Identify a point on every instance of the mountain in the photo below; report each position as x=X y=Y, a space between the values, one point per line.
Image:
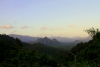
x=69 y=40
x=47 y=41
x=24 y=38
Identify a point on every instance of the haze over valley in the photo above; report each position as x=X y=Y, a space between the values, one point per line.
x=63 y=40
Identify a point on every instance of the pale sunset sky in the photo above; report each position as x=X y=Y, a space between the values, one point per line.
x=65 y=18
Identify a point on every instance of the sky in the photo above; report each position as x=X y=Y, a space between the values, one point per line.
x=64 y=18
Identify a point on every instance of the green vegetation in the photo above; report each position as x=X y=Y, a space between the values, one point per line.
x=88 y=54
x=14 y=53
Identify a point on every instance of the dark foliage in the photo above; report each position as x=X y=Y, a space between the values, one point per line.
x=89 y=52
x=14 y=53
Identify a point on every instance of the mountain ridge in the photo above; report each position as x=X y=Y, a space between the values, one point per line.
x=25 y=38
x=47 y=41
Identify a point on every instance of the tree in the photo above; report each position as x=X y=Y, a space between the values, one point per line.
x=93 y=32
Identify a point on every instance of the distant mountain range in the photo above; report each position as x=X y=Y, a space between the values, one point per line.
x=64 y=40
x=47 y=41
x=24 y=38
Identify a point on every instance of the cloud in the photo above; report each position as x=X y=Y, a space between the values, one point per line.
x=51 y=29
x=71 y=25
x=6 y=27
x=43 y=28
x=24 y=27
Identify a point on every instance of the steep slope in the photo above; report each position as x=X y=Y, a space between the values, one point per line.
x=8 y=45
x=89 y=51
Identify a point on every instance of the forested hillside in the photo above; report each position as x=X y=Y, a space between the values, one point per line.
x=14 y=53
x=88 y=54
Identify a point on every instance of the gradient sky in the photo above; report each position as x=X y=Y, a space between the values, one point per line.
x=49 y=17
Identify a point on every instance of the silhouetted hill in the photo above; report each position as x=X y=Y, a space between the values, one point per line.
x=7 y=38
x=14 y=53
x=7 y=45
x=89 y=51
